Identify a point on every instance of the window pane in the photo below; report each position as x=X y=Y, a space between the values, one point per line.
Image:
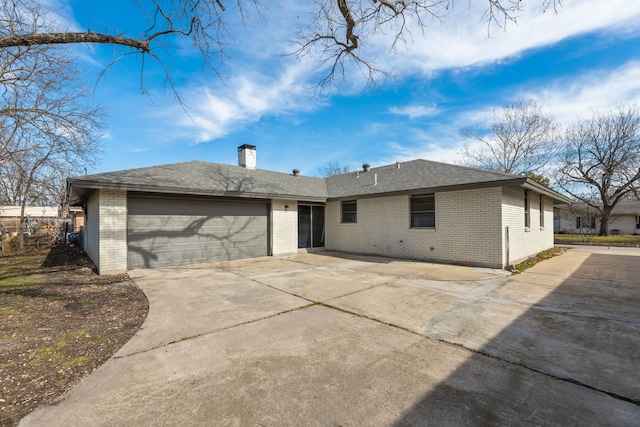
x=423 y=204
x=423 y=220
x=349 y=211
x=423 y=211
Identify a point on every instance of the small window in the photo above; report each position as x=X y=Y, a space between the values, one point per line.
x=349 y=212
x=638 y=221
x=527 y=214
x=541 y=211
x=582 y=222
x=423 y=211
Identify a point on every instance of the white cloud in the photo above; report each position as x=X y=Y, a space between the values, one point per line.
x=415 y=111
x=583 y=95
x=437 y=151
x=573 y=98
x=139 y=149
x=568 y=99
x=217 y=110
x=462 y=39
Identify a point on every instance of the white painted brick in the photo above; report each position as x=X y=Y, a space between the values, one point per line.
x=467 y=228
x=525 y=242
x=284 y=226
x=106 y=231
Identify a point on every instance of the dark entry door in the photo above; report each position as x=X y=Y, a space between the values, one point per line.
x=310 y=226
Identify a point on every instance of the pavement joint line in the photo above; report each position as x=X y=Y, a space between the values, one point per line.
x=254 y=279
x=585 y=315
x=248 y=322
x=288 y=272
x=443 y=341
x=360 y=290
x=602 y=280
x=481 y=352
x=520 y=365
x=269 y=286
x=396 y=277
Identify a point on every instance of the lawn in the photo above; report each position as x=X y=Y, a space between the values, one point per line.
x=60 y=321
x=628 y=240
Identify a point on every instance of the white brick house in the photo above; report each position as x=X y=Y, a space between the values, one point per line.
x=194 y=212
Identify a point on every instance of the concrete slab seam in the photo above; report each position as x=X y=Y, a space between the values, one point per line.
x=248 y=322
x=569 y=380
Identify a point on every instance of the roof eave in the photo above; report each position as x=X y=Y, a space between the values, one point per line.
x=439 y=189
x=79 y=189
x=530 y=184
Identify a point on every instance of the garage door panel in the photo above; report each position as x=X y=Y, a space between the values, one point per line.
x=161 y=234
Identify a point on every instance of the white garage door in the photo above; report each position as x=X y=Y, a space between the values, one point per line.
x=168 y=231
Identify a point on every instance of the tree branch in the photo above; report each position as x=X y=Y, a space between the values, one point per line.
x=69 y=38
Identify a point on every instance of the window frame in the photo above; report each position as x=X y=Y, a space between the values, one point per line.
x=541 y=211
x=637 y=221
x=348 y=220
x=427 y=215
x=581 y=222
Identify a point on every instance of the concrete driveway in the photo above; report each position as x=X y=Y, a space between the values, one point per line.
x=337 y=340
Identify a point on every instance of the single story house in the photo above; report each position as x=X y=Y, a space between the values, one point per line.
x=579 y=218
x=197 y=212
x=32 y=211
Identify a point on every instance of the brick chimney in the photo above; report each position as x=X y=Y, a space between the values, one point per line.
x=247 y=156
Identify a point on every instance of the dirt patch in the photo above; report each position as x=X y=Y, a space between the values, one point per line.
x=60 y=321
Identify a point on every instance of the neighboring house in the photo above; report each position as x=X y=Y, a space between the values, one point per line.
x=10 y=216
x=34 y=211
x=76 y=213
x=196 y=212
x=579 y=218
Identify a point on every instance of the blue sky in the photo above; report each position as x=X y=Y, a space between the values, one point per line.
x=583 y=59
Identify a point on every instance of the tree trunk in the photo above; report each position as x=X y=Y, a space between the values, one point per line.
x=604 y=221
x=22 y=225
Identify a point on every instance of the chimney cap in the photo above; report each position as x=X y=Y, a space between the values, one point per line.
x=366 y=167
x=296 y=172
x=246 y=147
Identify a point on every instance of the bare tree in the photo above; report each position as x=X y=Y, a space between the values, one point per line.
x=46 y=117
x=338 y=31
x=521 y=138
x=333 y=168
x=600 y=165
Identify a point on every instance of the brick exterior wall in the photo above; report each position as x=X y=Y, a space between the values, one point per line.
x=284 y=227
x=468 y=228
x=106 y=231
x=525 y=242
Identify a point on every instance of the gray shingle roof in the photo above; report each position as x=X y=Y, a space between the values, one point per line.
x=202 y=178
x=415 y=175
x=622 y=208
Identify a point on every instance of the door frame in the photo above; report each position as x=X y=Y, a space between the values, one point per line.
x=311 y=223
